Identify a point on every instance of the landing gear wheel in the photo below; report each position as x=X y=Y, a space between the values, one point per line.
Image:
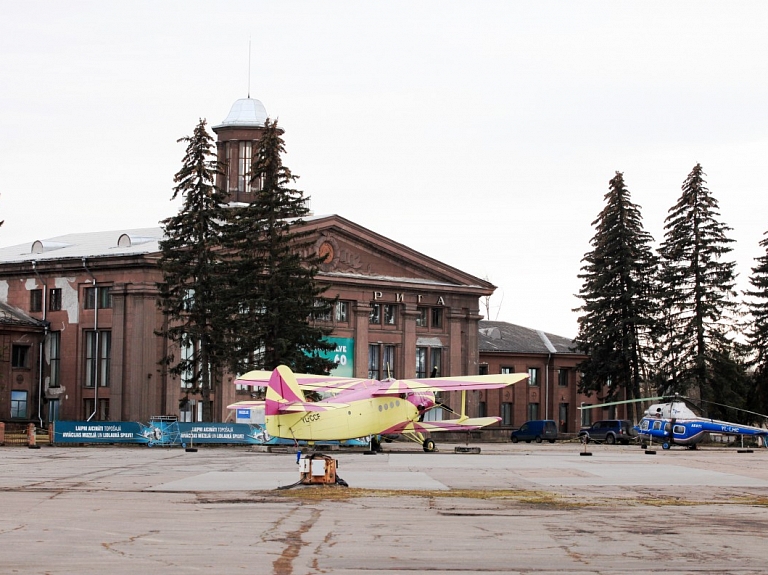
x=538 y=439
x=665 y=445
x=429 y=445
x=610 y=439
x=375 y=444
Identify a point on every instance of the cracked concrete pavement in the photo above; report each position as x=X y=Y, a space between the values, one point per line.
x=511 y=509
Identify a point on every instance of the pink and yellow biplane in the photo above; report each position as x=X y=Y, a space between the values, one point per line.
x=363 y=407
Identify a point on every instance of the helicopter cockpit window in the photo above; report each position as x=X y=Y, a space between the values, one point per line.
x=679 y=430
x=657 y=425
x=645 y=425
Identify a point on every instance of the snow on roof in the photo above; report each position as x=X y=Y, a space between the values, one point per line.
x=88 y=244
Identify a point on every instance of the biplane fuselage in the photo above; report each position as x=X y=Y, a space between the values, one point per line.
x=363 y=415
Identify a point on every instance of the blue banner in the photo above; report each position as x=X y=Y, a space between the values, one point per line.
x=167 y=432
x=100 y=432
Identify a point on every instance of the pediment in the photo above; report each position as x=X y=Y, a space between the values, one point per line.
x=352 y=251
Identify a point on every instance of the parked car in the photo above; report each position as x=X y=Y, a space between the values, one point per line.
x=536 y=430
x=609 y=431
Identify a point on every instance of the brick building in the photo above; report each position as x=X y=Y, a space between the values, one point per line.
x=91 y=299
x=551 y=391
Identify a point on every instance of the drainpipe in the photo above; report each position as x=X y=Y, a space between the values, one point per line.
x=552 y=350
x=546 y=388
x=96 y=341
x=41 y=346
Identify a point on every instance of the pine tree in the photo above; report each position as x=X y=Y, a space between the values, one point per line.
x=272 y=293
x=757 y=330
x=617 y=316
x=698 y=289
x=192 y=271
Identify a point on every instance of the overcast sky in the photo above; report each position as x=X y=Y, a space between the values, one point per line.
x=482 y=134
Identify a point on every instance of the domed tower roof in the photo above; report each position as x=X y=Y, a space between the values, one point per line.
x=246 y=113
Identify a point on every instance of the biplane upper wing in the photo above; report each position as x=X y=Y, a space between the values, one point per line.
x=306 y=381
x=458 y=383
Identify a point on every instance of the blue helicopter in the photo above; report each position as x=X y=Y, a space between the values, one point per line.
x=674 y=422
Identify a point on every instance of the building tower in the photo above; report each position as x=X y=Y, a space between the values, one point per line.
x=237 y=135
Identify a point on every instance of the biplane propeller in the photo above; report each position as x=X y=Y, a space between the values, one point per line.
x=677 y=420
x=364 y=407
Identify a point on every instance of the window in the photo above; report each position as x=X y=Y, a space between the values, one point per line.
x=53 y=410
x=562 y=377
x=54 y=357
x=187 y=410
x=20 y=356
x=342 y=311
x=102 y=414
x=374 y=361
x=19 y=404
x=381 y=361
x=228 y=167
x=188 y=301
x=103 y=294
x=36 y=300
x=482 y=409
x=187 y=355
x=506 y=413
x=244 y=167
x=437 y=317
x=97 y=353
x=563 y=414
x=421 y=317
x=437 y=361
x=533 y=411
x=507 y=369
x=533 y=376
x=389 y=314
x=421 y=361
x=323 y=310
x=54 y=299
x=586 y=416
x=482 y=369
x=429 y=362
x=375 y=316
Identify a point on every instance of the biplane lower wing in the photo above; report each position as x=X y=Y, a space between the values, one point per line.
x=466 y=424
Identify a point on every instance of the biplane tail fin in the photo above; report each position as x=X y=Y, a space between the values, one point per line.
x=283 y=390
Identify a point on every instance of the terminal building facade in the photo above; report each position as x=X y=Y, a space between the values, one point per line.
x=79 y=316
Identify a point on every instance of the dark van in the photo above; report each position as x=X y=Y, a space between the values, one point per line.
x=536 y=430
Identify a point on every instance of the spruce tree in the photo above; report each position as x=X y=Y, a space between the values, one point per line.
x=618 y=293
x=698 y=290
x=272 y=292
x=757 y=330
x=192 y=271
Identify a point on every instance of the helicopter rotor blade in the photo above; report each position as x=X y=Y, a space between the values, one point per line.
x=732 y=407
x=622 y=402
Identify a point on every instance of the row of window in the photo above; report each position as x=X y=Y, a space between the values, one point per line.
x=93 y=296
x=563 y=375
x=381 y=361
x=385 y=314
x=98 y=345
